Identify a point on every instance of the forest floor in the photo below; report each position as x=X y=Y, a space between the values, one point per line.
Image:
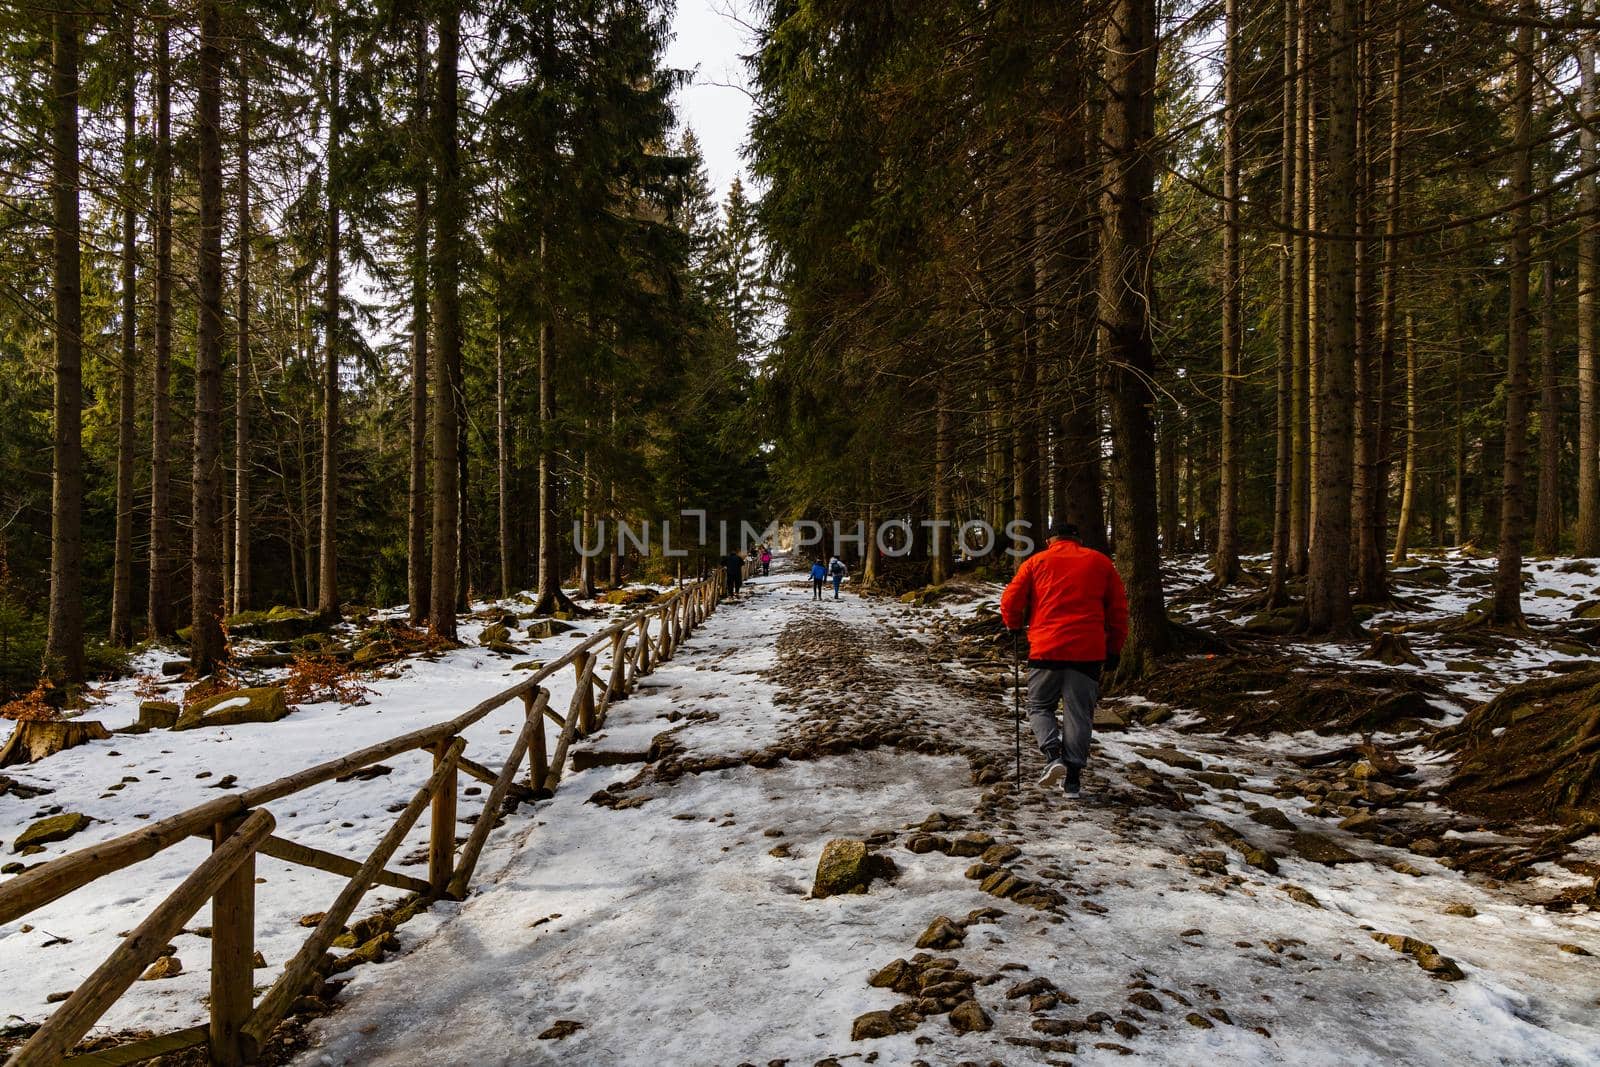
x=1218 y=896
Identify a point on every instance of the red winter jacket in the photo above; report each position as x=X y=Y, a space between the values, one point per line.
x=1072 y=602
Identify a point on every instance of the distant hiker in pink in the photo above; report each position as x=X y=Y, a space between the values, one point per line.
x=766 y=561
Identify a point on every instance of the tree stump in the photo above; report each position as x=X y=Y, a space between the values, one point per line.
x=1392 y=649
x=32 y=740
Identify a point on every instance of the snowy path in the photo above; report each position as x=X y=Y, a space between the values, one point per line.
x=670 y=920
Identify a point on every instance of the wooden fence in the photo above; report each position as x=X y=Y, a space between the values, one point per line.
x=240 y=827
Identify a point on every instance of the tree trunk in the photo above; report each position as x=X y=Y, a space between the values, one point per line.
x=328 y=535
x=206 y=638
x=1547 y=521
x=550 y=597
x=242 y=371
x=417 y=562
x=1328 y=577
x=1588 y=532
x=127 y=381
x=943 y=454
x=1508 y=574
x=502 y=441
x=1127 y=207
x=464 y=570
x=1408 y=493
x=1459 y=451
x=1372 y=585
x=449 y=219
x=1300 y=470
x=63 y=654
x=1079 y=444
x=160 y=609
x=1225 y=561
x=1288 y=321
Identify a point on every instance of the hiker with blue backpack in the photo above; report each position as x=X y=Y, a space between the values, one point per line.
x=836 y=571
x=819 y=575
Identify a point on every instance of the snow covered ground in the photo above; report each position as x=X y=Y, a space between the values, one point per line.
x=675 y=927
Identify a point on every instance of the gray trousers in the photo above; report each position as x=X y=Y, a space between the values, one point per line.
x=1046 y=691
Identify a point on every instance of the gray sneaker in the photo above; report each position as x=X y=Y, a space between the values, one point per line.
x=1073 y=784
x=1053 y=774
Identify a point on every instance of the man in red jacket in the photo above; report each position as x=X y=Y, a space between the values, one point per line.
x=1071 y=601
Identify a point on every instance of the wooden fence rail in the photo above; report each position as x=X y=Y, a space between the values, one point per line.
x=240 y=827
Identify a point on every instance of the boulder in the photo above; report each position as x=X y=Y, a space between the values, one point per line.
x=1320 y=849
x=874 y=1024
x=845 y=866
x=158 y=714
x=495 y=634
x=1273 y=817
x=260 y=704
x=943 y=933
x=548 y=628
x=275 y=624
x=54 y=828
x=969 y=1017
x=165 y=967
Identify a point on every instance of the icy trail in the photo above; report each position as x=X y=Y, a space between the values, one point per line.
x=671 y=923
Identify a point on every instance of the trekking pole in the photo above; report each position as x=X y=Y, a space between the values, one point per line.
x=1016 y=700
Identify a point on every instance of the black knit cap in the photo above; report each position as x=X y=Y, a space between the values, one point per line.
x=1061 y=528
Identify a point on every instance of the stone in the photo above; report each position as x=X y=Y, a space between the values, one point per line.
x=1273 y=817
x=1301 y=895
x=165 y=967
x=845 y=866
x=1108 y=718
x=1031 y=987
x=997 y=855
x=874 y=1024
x=1216 y=779
x=890 y=975
x=1465 y=911
x=968 y=1017
x=547 y=628
x=971 y=845
x=1441 y=967
x=1209 y=860
x=259 y=704
x=1321 y=849
x=158 y=714
x=1199 y=1021
x=1147 y=1000
x=495 y=634
x=51 y=829
x=280 y=623
x=943 y=933
x=561 y=1028
x=1575 y=950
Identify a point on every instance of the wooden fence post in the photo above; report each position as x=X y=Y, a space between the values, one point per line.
x=583 y=693
x=538 y=757
x=617 y=684
x=644 y=647
x=442 y=834
x=233 y=949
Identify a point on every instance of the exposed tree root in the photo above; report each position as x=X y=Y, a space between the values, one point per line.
x=1533 y=752
x=1262 y=692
